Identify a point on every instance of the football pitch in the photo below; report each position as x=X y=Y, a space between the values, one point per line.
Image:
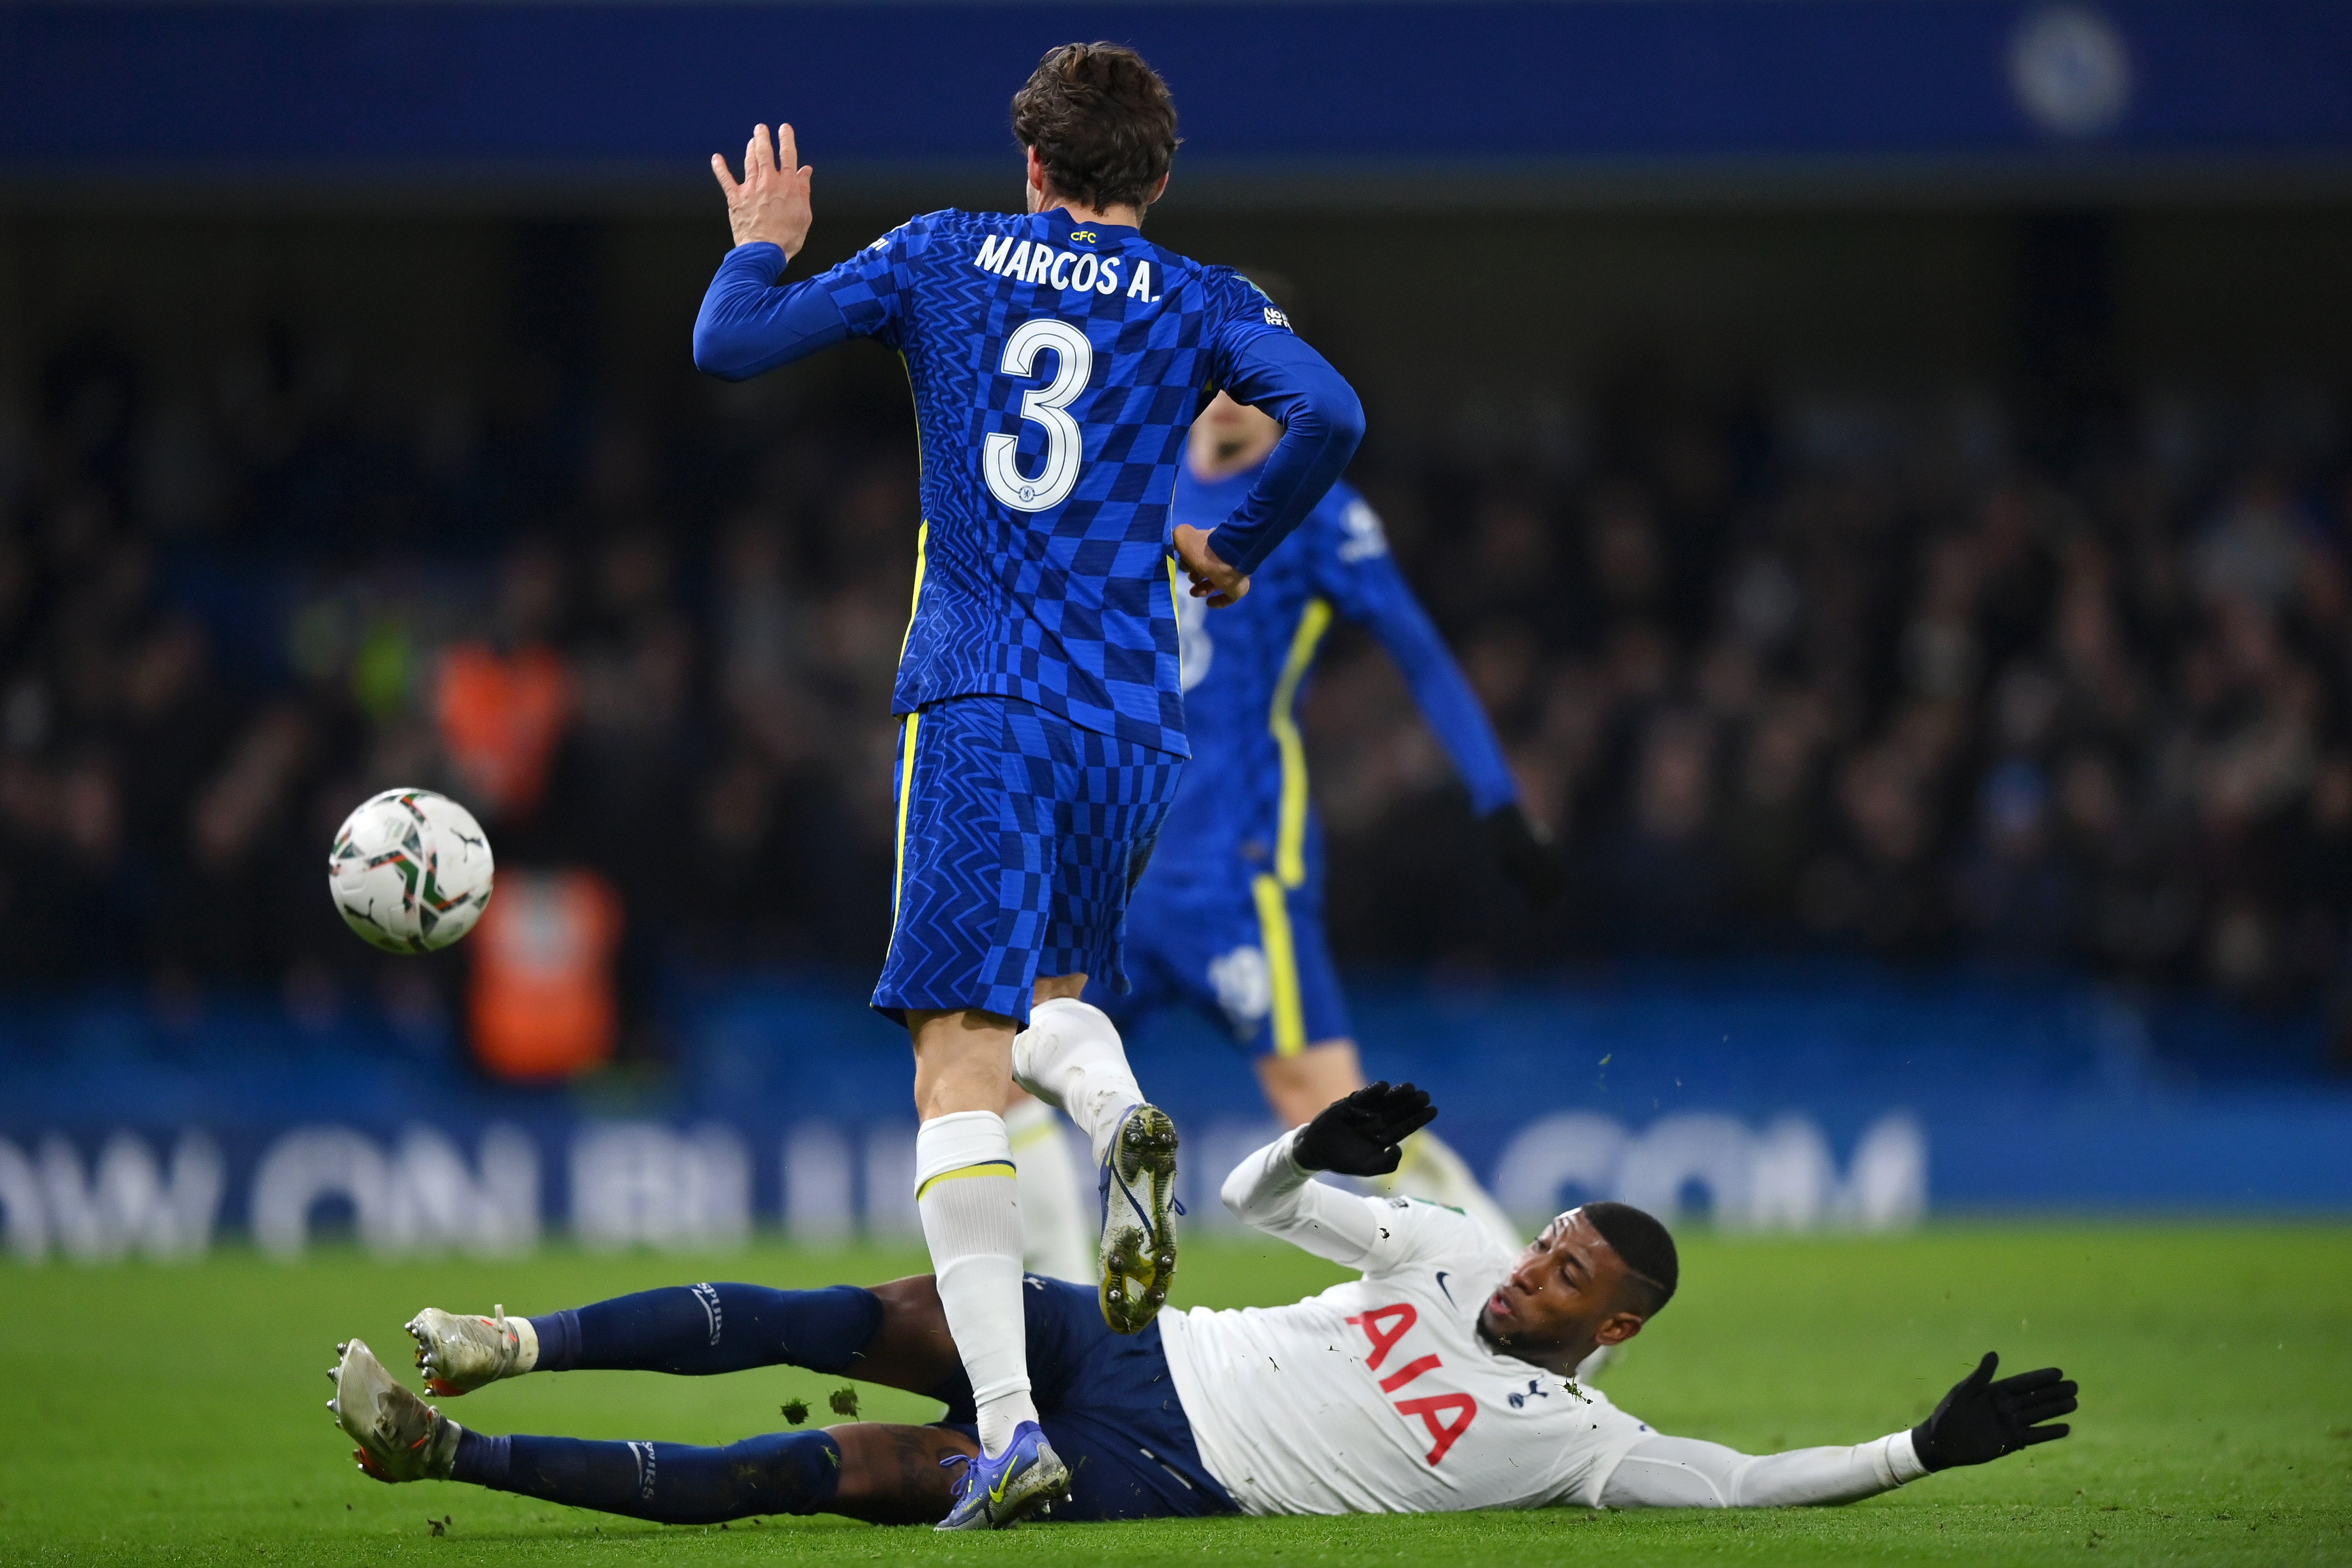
x=177 y=1414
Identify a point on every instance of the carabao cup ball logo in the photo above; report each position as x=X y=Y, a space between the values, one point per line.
x=410 y=871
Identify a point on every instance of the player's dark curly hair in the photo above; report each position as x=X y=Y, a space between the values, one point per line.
x=1647 y=1250
x=1102 y=124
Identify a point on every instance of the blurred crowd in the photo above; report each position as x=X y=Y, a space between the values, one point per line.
x=1780 y=676
x=1844 y=676
x=654 y=655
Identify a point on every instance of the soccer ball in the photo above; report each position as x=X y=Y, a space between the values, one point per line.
x=410 y=871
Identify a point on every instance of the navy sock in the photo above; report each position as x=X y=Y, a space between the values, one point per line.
x=670 y=1483
x=698 y=1329
x=482 y=1459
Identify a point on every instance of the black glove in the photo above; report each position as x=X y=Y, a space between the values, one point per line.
x=1359 y=1136
x=1981 y=1420
x=1524 y=848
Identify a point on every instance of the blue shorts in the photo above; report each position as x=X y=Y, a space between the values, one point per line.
x=1255 y=962
x=1110 y=1410
x=1020 y=836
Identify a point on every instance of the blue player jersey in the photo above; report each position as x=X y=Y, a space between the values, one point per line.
x=1056 y=369
x=1243 y=810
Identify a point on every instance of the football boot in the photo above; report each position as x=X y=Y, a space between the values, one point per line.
x=993 y=1494
x=458 y=1355
x=1138 y=1236
x=400 y=1437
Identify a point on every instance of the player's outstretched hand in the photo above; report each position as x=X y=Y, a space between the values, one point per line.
x=771 y=201
x=1981 y=1420
x=1211 y=579
x=1361 y=1135
x=1524 y=849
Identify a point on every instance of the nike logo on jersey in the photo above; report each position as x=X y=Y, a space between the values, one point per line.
x=1441 y=1285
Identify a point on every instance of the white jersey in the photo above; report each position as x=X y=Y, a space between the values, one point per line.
x=1378 y=1397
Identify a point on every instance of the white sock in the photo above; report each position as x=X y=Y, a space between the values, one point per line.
x=1070 y=1058
x=970 y=1206
x=1056 y=1239
x=1432 y=1170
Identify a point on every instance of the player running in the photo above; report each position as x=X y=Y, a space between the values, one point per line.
x=1057 y=360
x=1230 y=918
x=1436 y=1382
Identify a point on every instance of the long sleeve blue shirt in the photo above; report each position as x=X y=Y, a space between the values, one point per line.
x=1056 y=370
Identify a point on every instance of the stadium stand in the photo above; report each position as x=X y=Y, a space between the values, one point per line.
x=1783 y=681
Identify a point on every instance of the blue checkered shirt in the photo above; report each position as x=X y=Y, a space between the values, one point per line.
x=1044 y=571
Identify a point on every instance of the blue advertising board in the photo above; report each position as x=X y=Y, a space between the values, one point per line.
x=1832 y=1097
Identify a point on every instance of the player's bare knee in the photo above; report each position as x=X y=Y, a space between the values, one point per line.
x=963 y=1062
x=911 y=1348
x=891 y=1474
x=910 y=1302
x=1059 y=988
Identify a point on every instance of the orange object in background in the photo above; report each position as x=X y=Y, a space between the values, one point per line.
x=500 y=717
x=543 y=1003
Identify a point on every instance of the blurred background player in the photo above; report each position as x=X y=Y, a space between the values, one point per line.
x=1054 y=359
x=1229 y=920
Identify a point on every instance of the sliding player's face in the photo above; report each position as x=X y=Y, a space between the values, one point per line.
x=1564 y=1297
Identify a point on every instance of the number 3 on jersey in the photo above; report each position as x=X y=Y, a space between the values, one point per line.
x=1046 y=405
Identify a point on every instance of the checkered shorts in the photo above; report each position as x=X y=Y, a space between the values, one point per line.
x=1020 y=836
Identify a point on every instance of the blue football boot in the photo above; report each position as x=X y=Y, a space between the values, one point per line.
x=993 y=1494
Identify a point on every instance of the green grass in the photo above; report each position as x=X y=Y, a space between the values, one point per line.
x=176 y=1414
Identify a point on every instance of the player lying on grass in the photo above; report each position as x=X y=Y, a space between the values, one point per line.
x=1436 y=1382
